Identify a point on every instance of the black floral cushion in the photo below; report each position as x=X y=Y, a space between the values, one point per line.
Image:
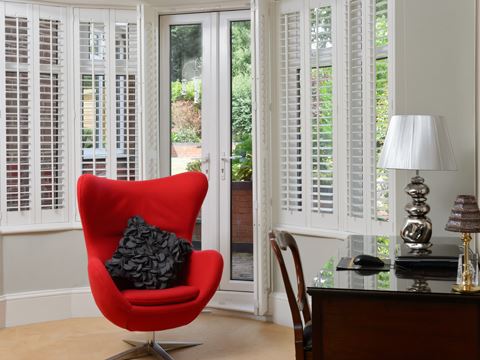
x=147 y=257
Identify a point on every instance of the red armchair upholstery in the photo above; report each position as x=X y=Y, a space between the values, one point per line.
x=170 y=203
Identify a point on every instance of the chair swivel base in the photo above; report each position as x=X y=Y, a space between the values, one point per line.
x=151 y=347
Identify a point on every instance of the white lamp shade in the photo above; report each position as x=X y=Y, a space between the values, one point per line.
x=417 y=142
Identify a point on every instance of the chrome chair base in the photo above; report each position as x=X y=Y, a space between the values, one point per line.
x=151 y=347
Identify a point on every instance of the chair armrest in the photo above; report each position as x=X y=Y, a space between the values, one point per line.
x=108 y=298
x=205 y=271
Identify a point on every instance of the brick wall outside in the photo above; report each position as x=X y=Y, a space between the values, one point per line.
x=242 y=214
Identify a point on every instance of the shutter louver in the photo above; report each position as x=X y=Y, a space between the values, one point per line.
x=93 y=52
x=126 y=101
x=355 y=100
x=52 y=114
x=321 y=104
x=18 y=106
x=291 y=186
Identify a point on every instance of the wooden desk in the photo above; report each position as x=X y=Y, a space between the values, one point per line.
x=384 y=319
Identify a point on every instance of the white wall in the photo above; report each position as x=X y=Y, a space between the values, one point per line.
x=43 y=261
x=435 y=72
x=43 y=277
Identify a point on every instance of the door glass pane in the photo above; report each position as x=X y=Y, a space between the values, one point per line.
x=186 y=103
x=241 y=234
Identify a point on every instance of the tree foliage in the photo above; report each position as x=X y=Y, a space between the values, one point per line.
x=186 y=44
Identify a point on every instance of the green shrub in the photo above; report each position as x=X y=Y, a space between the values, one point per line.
x=185 y=135
x=241 y=107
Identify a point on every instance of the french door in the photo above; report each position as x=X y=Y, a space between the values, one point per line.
x=206 y=125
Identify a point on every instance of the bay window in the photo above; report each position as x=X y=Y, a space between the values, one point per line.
x=333 y=110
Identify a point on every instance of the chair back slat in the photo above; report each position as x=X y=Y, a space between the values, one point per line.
x=299 y=307
x=286 y=240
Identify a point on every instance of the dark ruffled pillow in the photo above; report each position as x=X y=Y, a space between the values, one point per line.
x=147 y=257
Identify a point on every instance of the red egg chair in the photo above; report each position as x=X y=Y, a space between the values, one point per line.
x=172 y=204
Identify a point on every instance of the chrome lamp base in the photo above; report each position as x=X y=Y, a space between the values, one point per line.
x=417 y=231
x=151 y=347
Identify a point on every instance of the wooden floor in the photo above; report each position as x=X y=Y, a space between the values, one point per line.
x=223 y=337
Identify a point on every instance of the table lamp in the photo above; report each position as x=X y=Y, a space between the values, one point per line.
x=465 y=218
x=417 y=142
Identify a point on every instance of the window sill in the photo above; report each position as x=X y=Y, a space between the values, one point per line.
x=312 y=232
x=39 y=228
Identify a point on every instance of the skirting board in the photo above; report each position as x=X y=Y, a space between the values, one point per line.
x=48 y=305
x=279 y=309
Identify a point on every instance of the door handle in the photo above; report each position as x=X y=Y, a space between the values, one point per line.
x=225 y=162
x=203 y=159
x=228 y=158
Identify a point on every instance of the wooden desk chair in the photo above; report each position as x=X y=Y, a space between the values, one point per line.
x=302 y=328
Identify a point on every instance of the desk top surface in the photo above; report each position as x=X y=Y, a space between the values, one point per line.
x=397 y=280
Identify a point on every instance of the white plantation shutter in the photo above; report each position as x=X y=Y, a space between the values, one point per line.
x=290 y=111
x=150 y=118
x=328 y=177
x=51 y=151
x=367 y=119
x=127 y=132
x=33 y=174
x=18 y=112
x=35 y=103
x=322 y=154
x=93 y=96
x=306 y=111
x=355 y=87
x=106 y=74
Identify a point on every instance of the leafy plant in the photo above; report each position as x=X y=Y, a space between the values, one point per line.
x=242 y=160
x=194 y=165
